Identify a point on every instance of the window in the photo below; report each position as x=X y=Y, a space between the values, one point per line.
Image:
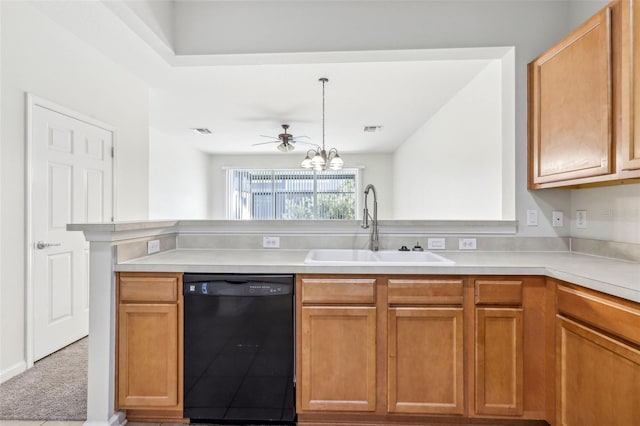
x=291 y=194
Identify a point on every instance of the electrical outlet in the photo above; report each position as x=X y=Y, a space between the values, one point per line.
x=270 y=242
x=153 y=246
x=557 y=218
x=581 y=218
x=466 y=243
x=532 y=217
x=436 y=243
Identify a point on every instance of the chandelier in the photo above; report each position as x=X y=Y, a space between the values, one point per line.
x=320 y=159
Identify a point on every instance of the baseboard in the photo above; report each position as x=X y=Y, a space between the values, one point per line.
x=13 y=371
x=117 y=419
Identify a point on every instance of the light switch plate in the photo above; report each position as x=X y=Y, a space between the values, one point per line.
x=532 y=217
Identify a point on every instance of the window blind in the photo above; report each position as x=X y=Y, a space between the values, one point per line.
x=294 y=194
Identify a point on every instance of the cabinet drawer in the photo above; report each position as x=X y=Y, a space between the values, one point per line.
x=339 y=290
x=498 y=292
x=426 y=292
x=148 y=288
x=616 y=316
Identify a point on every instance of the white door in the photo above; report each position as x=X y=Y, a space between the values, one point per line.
x=71 y=172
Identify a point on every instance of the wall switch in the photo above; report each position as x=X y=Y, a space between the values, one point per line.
x=557 y=218
x=532 y=217
x=436 y=243
x=270 y=242
x=153 y=246
x=466 y=243
x=581 y=218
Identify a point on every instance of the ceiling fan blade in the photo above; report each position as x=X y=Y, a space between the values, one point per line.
x=304 y=143
x=300 y=137
x=270 y=137
x=264 y=143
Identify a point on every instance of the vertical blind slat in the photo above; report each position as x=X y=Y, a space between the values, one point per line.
x=291 y=194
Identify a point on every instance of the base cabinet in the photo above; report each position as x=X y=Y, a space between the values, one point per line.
x=336 y=350
x=425 y=360
x=149 y=344
x=598 y=378
x=338 y=358
x=597 y=354
x=499 y=340
x=499 y=361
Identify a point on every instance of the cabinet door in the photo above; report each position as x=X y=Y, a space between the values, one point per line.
x=338 y=351
x=598 y=378
x=630 y=142
x=425 y=360
x=499 y=361
x=148 y=368
x=570 y=106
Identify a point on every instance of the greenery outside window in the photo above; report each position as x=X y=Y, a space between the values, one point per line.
x=294 y=194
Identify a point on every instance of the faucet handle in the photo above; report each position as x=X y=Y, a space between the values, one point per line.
x=417 y=247
x=403 y=248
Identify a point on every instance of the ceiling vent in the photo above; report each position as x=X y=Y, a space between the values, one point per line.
x=372 y=129
x=202 y=131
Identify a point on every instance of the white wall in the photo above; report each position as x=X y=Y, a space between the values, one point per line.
x=178 y=179
x=41 y=57
x=378 y=171
x=468 y=185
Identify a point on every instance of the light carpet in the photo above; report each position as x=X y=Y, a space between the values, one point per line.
x=54 y=389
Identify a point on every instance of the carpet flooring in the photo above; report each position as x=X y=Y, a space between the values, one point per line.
x=54 y=389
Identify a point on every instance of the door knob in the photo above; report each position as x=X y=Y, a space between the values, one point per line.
x=42 y=245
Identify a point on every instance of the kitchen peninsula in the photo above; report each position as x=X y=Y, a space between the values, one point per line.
x=528 y=280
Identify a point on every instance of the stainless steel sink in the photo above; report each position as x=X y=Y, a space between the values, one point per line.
x=346 y=257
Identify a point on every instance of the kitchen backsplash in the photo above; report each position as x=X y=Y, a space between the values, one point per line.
x=195 y=235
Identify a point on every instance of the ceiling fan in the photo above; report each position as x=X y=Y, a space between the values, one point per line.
x=285 y=140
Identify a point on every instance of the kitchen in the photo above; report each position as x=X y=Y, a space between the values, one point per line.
x=497 y=24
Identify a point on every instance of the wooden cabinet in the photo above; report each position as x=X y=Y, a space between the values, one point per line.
x=571 y=132
x=499 y=347
x=337 y=349
x=630 y=77
x=597 y=359
x=582 y=96
x=149 y=344
x=425 y=346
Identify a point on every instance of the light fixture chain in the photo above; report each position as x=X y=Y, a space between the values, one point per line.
x=324 y=80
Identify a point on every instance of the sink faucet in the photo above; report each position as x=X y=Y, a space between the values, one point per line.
x=374 y=245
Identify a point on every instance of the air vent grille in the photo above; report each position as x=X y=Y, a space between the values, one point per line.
x=201 y=131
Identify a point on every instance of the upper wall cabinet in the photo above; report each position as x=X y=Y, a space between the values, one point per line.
x=581 y=103
x=630 y=73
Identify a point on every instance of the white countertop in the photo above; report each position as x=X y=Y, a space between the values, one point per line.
x=614 y=277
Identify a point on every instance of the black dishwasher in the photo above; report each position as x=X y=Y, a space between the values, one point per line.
x=239 y=348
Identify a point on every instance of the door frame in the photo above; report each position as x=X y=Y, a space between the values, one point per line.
x=32 y=101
